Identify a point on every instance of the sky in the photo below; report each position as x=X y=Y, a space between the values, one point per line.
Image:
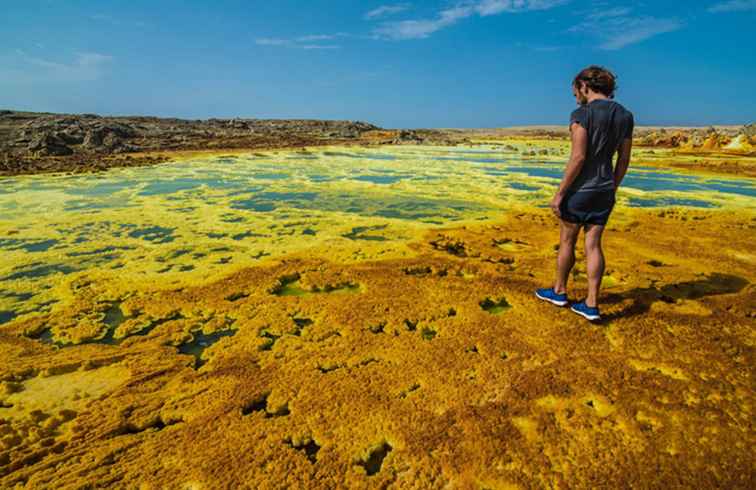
x=397 y=64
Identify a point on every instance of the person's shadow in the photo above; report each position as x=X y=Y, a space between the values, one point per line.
x=643 y=298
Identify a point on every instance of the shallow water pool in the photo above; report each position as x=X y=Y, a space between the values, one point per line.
x=201 y=216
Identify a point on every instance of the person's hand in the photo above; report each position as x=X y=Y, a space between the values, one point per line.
x=556 y=201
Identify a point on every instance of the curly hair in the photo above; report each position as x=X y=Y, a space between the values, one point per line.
x=598 y=79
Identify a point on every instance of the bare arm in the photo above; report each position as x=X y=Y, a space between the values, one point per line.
x=577 y=159
x=623 y=161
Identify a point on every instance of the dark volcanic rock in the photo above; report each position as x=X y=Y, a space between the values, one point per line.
x=70 y=138
x=48 y=144
x=408 y=136
x=42 y=142
x=37 y=142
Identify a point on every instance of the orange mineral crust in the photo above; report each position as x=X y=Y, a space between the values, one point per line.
x=436 y=369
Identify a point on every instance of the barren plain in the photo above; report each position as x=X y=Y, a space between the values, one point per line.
x=360 y=314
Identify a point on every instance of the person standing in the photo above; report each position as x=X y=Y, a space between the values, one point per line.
x=600 y=128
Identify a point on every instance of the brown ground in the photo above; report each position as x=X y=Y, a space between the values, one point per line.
x=33 y=143
x=402 y=376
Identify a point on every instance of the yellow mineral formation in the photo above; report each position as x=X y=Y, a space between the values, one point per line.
x=740 y=144
x=375 y=332
x=440 y=369
x=693 y=142
x=713 y=142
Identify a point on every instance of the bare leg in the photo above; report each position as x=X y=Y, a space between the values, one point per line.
x=568 y=234
x=595 y=258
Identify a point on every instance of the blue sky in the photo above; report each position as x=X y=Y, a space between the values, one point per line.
x=457 y=63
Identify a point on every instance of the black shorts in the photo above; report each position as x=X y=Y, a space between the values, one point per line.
x=587 y=207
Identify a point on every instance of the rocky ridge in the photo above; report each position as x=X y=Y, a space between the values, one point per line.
x=41 y=142
x=44 y=142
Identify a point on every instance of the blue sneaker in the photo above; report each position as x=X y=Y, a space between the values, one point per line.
x=586 y=311
x=549 y=295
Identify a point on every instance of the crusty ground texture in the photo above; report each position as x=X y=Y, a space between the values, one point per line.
x=441 y=370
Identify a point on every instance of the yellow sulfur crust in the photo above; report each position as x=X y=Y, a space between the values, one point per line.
x=427 y=362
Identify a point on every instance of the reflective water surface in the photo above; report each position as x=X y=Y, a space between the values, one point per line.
x=201 y=215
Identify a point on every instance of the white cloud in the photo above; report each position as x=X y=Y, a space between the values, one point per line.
x=639 y=29
x=423 y=28
x=302 y=42
x=613 y=12
x=86 y=66
x=320 y=46
x=387 y=10
x=272 y=41
x=618 y=30
x=547 y=49
x=494 y=7
x=317 y=37
x=92 y=59
x=733 y=6
x=420 y=29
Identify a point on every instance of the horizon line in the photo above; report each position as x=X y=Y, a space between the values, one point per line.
x=451 y=128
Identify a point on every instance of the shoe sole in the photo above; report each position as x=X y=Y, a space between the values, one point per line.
x=586 y=315
x=553 y=301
